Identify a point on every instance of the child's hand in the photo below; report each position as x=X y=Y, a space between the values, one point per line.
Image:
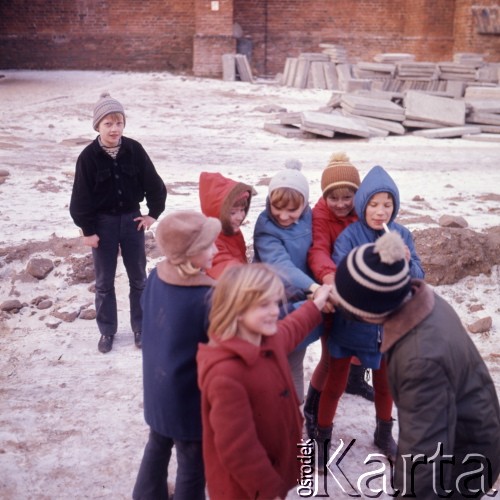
x=321 y=298
x=91 y=241
x=145 y=222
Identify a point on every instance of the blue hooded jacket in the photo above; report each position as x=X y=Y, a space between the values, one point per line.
x=351 y=338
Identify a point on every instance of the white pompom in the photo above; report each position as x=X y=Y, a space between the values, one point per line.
x=390 y=247
x=293 y=164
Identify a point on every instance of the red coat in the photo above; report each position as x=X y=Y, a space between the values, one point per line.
x=325 y=229
x=250 y=412
x=217 y=196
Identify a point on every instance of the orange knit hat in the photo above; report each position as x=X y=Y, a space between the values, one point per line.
x=339 y=173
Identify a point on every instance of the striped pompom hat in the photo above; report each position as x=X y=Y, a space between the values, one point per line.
x=374 y=279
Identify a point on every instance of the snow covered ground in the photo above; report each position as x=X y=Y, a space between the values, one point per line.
x=71 y=422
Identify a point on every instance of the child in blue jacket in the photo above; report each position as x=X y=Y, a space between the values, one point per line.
x=175 y=321
x=377 y=205
x=282 y=237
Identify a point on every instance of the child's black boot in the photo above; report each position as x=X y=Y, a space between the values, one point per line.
x=323 y=441
x=383 y=439
x=311 y=406
x=357 y=384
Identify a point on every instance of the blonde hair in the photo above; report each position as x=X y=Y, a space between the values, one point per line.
x=239 y=288
x=283 y=197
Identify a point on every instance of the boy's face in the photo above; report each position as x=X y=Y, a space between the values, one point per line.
x=340 y=202
x=288 y=215
x=110 y=129
x=236 y=217
x=379 y=210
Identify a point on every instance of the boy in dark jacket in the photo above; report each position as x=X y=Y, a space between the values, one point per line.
x=448 y=411
x=113 y=176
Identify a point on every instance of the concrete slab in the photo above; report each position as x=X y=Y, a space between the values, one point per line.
x=483 y=137
x=425 y=107
x=228 y=67
x=331 y=78
x=448 y=132
x=291 y=118
x=391 y=126
x=317 y=74
x=482 y=117
x=420 y=124
x=243 y=68
x=487 y=105
x=286 y=131
x=335 y=122
x=375 y=107
x=483 y=92
x=318 y=131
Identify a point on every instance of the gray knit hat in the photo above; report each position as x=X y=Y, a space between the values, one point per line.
x=291 y=177
x=104 y=106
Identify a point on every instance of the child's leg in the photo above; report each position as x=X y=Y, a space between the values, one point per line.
x=383 y=408
x=190 y=479
x=383 y=397
x=151 y=480
x=296 y=362
x=134 y=259
x=318 y=381
x=320 y=374
x=105 y=260
x=338 y=371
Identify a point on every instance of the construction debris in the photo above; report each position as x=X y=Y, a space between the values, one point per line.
x=396 y=95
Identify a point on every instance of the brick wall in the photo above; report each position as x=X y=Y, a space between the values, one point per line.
x=189 y=35
x=97 y=34
x=467 y=38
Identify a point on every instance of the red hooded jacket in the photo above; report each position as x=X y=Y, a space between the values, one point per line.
x=217 y=195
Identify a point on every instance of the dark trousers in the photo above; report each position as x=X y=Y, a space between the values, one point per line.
x=151 y=482
x=118 y=233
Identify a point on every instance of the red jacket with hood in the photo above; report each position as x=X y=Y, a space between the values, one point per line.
x=217 y=195
x=250 y=412
x=325 y=229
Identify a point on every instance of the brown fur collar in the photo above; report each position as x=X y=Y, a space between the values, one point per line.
x=169 y=274
x=409 y=315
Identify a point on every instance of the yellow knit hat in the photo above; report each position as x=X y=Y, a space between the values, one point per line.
x=339 y=173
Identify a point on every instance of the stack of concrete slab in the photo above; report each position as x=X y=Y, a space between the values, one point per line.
x=374 y=70
x=396 y=95
x=457 y=71
x=417 y=71
x=236 y=67
x=390 y=57
x=483 y=108
x=310 y=70
x=363 y=105
x=336 y=53
x=468 y=57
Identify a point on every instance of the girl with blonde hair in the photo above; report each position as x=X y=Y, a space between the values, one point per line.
x=245 y=383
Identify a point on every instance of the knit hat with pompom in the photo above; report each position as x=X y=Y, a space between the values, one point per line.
x=339 y=173
x=291 y=177
x=374 y=279
x=105 y=106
